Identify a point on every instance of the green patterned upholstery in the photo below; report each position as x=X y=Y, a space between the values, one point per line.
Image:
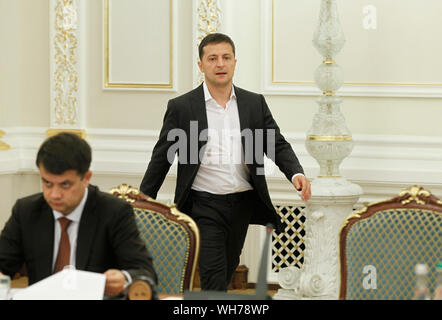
x=171 y=237
x=392 y=236
x=169 y=243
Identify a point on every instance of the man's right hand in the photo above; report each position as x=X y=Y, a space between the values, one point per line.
x=301 y=183
x=114 y=282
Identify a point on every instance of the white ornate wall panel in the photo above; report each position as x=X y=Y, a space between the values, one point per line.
x=140 y=44
x=382 y=56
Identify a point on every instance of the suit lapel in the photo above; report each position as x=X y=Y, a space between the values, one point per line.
x=86 y=230
x=243 y=112
x=198 y=107
x=43 y=235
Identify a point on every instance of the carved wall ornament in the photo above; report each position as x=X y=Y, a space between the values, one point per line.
x=209 y=17
x=209 y=21
x=313 y=285
x=289 y=277
x=317 y=215
x=65 y=59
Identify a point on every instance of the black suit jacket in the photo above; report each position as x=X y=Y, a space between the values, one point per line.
x=107 y=238
x=183 y=113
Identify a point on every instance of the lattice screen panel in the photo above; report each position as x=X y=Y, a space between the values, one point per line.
x=288 y=247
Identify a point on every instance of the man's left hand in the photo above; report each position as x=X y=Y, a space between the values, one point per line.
x=115 y=281
x=302 y=183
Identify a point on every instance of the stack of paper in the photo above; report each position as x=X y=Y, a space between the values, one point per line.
x=69 y=284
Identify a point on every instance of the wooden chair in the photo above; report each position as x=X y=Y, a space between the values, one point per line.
x=381 y=244
x=171 y=237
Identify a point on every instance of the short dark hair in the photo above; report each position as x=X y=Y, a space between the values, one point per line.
x=214 y=38
x=64 y=151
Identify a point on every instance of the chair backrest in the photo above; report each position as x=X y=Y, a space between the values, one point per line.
x=171 y=236
x=381 y=244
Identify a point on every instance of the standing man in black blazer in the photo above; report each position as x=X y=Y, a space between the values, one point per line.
x=221 y=133
x=72 y=223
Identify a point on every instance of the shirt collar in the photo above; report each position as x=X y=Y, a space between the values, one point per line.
x=75 y=215
x=207 y=95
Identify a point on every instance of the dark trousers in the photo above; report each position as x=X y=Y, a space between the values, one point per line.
x=223 y=221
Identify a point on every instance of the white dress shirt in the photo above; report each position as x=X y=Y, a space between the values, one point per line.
x=222 y=168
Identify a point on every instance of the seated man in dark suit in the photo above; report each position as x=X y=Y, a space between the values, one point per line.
x=72 y=223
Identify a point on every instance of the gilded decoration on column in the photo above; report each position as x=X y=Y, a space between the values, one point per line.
x=65 y=77
x=3 y=145
x=78 y=132
x=209 y=21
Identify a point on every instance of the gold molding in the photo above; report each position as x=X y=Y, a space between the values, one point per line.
x=79 y=132
x=3 y=145
x=345 y=83
x=314 y=137
x=108 y=84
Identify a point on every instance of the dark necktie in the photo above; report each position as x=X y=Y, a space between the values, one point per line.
x=64 y=250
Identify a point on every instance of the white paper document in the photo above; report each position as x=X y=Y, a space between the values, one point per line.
x=69 y=284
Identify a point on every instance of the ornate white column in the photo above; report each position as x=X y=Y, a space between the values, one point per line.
x=67 y=22
x=207 y=19
x=329 y=141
